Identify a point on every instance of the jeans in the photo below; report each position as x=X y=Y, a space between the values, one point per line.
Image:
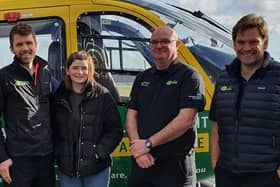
x=100 y=179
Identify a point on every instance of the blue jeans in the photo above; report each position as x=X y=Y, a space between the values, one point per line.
x=100 y=179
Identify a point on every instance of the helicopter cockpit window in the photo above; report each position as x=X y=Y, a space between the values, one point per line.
x=119 y=43
x=50 y=44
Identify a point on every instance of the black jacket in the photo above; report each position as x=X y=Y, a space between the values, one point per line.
x=100 y=131
x=248 y=117
x=24 y=102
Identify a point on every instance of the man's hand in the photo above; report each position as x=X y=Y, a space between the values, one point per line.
x=145 y=161
x=278 y=172
x=5 y=170
x=138 y=148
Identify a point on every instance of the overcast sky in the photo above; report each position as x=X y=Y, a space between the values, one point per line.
x=228 y=12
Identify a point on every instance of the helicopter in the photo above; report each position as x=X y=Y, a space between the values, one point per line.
x=117 y=34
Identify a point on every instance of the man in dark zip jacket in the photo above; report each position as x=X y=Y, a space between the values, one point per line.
x=245 y=110
x=26 y=152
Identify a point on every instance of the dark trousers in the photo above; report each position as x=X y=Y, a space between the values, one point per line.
x=165 y=173
x=35 y=171
x=225 y=178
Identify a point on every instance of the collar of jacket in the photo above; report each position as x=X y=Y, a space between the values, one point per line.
x=234 y=67
x=36 y=60
x=171 y=68
x=92 y=90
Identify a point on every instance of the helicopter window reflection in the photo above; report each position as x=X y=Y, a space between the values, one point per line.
x=120 y=45
x=213 y=51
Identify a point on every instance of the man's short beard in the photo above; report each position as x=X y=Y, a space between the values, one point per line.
x=25 y=62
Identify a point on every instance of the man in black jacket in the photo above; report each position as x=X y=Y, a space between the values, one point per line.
x=245 y=146
x=26 y=153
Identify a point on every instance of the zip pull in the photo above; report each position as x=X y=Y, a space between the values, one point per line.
x=36 y=73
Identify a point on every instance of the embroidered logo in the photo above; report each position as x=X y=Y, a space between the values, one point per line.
x=196 y=97
x=225 y=88
x=171 y=82
x=37 y=125
x=21 y=83
x=261 y=88
x=145 y=83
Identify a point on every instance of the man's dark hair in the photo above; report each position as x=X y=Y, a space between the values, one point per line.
x=22 y=29
x=248 y=22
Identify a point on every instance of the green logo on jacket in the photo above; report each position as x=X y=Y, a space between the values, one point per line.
x=171 y=82
x=225 y=88
x=21 y=83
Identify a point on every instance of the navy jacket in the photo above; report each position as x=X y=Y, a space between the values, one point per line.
x=248 y=117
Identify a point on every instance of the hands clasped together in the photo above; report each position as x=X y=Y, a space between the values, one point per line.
x=141 y=153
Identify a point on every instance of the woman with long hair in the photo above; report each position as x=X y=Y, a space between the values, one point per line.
x=87 y=125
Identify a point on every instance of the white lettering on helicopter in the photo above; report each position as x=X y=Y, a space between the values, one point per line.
x=200 y=170
x=201 y=122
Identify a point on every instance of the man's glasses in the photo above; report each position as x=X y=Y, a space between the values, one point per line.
x=161 y=42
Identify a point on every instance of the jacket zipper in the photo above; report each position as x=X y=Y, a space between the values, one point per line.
x=80 y=141
x=242 y=87
x=236 y=137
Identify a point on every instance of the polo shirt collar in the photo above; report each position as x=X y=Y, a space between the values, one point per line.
x=171 y=68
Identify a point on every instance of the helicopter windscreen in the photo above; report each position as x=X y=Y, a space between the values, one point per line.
x=209 y=41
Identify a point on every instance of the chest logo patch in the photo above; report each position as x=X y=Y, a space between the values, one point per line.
x=171 y=82
x=198 y=96
x=261 y=88
x=20 y=83
x=225 y=88
x=145 y=83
